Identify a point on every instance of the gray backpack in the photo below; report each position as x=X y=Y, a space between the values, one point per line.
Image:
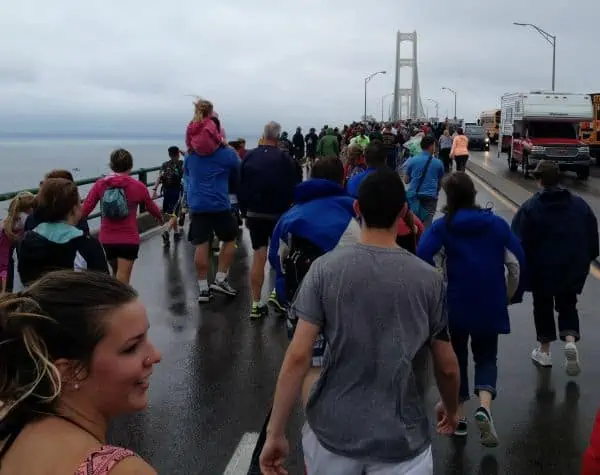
x=113 y=204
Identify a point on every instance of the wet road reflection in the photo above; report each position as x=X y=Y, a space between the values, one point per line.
x=218 y=373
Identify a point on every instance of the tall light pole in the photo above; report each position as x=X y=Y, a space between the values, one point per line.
x=367 y=79
x=383 y=98
x=550 y=39
x=437 y=107
x=453 y=92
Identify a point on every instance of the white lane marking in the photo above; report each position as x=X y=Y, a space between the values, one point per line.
x=239 y=463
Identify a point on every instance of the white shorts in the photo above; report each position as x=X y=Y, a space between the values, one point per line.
x=319 y=461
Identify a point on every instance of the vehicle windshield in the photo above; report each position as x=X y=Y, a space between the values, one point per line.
x=474 y=130
x=549 y=130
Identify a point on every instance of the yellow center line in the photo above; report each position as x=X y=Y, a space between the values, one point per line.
x=594 y=271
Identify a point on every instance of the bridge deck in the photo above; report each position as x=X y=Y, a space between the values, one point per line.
x=217 y=377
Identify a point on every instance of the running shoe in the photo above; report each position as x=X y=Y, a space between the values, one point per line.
x=461 y=428
x=542 y=359
x=275 y=303
x=487 y=431
x=205 y=296
x=177 y=236
x=224 y=288
x=259 y=311
x=572 y=359
x=165 y=238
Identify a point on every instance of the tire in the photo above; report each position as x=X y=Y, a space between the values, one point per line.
x=583 y=174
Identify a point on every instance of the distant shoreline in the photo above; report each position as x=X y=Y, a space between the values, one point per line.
x=101 y=136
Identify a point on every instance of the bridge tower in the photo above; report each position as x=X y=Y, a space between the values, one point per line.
x=411 y=96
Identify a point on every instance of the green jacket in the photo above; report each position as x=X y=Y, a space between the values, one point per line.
x=328 y=145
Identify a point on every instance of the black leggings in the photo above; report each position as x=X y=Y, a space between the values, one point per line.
x=461 y=162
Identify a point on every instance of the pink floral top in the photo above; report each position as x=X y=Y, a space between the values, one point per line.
x=101 y=461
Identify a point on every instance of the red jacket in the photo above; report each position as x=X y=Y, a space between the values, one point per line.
x=591 y=458
x=122 y=231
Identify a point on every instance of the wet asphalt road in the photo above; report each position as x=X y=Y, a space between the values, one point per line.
x=217 y=376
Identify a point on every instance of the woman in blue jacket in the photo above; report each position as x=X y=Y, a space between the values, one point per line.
x=473 y=246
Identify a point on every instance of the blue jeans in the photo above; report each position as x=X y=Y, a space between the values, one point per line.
x=485 y=350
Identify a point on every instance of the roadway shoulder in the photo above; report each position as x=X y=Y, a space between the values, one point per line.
x=509 y=190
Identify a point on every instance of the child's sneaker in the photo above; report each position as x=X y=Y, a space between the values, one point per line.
x=177 y=236
x=487 y=431
x=572 y=359
x=165 y=238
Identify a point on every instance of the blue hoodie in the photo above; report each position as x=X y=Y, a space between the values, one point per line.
x=323 y=214
x=207 y=180
x=475 y=247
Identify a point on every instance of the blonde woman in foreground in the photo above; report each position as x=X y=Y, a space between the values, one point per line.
x=74 y=353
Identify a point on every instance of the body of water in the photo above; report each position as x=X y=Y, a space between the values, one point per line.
x=23 y=162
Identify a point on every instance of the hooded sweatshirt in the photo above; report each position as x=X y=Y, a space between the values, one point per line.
x=328 y=145
x=55 y=246
x=473 y=250
x=559 y=234
x=323 y=214
x=125 y=230
x=204 y=137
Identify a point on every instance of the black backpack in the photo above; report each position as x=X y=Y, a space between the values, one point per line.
x=295 y=267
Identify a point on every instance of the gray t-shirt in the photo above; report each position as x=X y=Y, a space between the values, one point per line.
x=378 y=309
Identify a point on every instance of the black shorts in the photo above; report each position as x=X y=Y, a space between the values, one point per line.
x=261 y=230
x=203 y=225
x=171 y=201
x=121 y=251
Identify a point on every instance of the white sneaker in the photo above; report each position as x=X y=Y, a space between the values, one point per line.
x=542 y=359
x=572 y=359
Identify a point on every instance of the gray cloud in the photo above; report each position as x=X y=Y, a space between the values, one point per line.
x=122 y=66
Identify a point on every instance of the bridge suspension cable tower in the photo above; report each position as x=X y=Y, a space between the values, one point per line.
x=408 y=97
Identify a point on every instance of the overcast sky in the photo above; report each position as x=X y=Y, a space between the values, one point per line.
x=126 y=65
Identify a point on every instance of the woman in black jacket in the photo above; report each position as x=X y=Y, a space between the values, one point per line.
x=56 y=243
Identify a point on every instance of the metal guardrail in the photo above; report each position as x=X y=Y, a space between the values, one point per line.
x=142 y=174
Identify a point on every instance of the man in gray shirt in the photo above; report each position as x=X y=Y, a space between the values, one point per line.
x=381 y=310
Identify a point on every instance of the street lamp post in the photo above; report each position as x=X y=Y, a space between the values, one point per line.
x=437 y=107
x=367 y=79
x=550 y=39
x=453 y=92
x=383 y=98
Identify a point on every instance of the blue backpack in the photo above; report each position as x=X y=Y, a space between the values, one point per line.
x=113 y=204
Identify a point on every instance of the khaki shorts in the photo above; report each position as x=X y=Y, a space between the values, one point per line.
x=319 y=461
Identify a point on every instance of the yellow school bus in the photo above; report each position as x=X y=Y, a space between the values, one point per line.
x=490 y=120
x=589 y=132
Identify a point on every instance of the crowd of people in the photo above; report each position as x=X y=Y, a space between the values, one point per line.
x=378 y=295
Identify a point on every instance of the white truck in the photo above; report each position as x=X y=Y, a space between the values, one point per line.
x=543 y=125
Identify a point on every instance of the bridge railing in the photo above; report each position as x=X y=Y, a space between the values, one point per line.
x=141 y=173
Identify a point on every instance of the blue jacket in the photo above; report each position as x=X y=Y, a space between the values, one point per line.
x=474 y=249
x=267 y=181
x=207 y=180
x=354 y=182
x=559 y=234
x=323 y=214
